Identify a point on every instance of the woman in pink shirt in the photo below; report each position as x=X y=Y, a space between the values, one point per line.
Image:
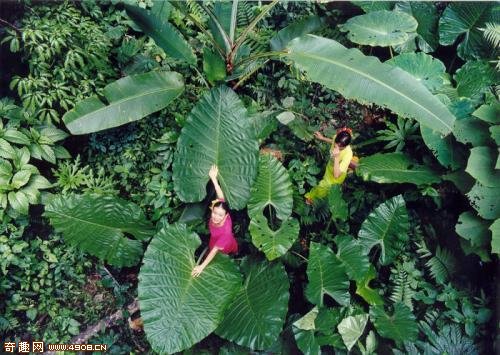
x=220 y=226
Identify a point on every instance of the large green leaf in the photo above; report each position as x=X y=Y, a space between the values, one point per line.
x=425 y=68
x=363 y=289
x=495 y=237
x=447 y=151
x=473 y=229
x=352 y=256
x=481 y=166
x=489 y=113
x=217 y=131
x=257 y=313
x=303 y=330
x=97 y=224
x=365 y=79
x=296 y=29
x=427 y=17
x=399 y=326
x=179 y=310
x=326 y=275
x=395 y=168
x=214 y=66
x=273 y=243
x=351 y=328
x=338 y=207
x=473 y=131
x=467 y=19
x=380 y=28
x=370 y=6
x=388 y=227
x=474 y=78
x=129 y=99
x=495 y=134
x=273 y=187
x=164 y=34
x=485 y=200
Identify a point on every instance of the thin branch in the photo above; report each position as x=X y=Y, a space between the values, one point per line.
x=18 y=31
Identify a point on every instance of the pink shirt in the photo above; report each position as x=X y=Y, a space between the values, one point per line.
x=222 y=237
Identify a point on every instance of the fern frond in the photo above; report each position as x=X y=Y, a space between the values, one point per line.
x=492 y=33
x=196 y=11
x=442 y=265
x=450 y=340
x=402 y=291
x=245 y=13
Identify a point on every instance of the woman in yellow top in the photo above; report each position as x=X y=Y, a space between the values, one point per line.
x=336 y=169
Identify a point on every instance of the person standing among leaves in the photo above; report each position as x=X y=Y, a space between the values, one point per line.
x=220 y=226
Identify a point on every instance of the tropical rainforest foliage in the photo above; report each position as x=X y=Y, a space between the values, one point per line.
x=112 y=112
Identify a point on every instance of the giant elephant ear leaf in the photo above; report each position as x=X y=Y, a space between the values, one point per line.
x=427 y=17
x=399 y=326
x=447 y=150
x=388 y=227
x=128 y=99
x=366 y=80
x=273 y=187
x=179 y=310
x=485 y=200
x=296 y=29
x=380 y=28
x=481 y=166
x=467 y=18
x=257 y=313
x=273 y=243
x=97 y=224
x=395 y=168
x=217 y=131
x=352 y=256
x=326 y=275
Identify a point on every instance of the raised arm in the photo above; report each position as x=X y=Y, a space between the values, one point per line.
x=321 y=137
x=199 y=269
x=213 y=176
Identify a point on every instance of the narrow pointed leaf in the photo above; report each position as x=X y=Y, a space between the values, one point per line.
x=163 y=33
x=97 y=224
x=273 y=243
x=273 y=187
x=366 y=80
x=257 y=313
x=326 y=275
x=219 y=132
x=179 y=310
x=386 y=226
x=129 y=99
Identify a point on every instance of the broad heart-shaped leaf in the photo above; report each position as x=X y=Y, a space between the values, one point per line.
x=366 y=80
x=129 y=99
x=272 y=188
x=395 y=168
x=463 y=18
x=338 y=207
x=399 y=326
x=364 y=290
x=303 y=330
x=388 y=227
x=296 y=29
x=273 y=243
x=163 y=33
x=326 y=275
x=351 y=328
x=179 y=310
x=352 y=256
x=485 y=200
x=257 y=313
x=425 y=68
x=427 y=17
x=474 y=78
x=473 y=228
x=481 y=166
x=489 y=113
x=495 y=237
x=219 y=132
x=380 y=28
x=447 y=150
x=97 y=224
x=370 y=6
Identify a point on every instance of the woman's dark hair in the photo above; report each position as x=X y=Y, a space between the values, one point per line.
x=222 y=204
x=343 y=139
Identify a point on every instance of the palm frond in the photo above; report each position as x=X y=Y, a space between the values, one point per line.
x=491 y=32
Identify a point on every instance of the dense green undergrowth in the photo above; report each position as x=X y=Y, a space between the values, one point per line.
x=410 y=241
